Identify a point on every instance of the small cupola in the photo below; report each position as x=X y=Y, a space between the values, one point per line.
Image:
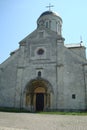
x=50 y=20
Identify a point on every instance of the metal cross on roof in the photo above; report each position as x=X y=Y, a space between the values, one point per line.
x=49 y=6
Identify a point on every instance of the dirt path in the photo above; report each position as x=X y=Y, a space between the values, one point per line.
x=27 y=121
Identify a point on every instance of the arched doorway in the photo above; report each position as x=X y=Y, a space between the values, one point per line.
x=40 y=98
x=38 y=95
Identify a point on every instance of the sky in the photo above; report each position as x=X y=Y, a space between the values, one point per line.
x=18 y=19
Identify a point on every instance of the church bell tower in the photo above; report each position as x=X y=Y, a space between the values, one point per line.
x=50 y=20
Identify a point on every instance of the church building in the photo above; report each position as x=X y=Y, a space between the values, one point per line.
x=44 y=74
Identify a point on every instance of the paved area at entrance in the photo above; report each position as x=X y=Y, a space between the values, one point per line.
x=26 y=121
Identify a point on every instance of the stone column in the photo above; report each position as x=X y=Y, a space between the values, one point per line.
x=60 y=89
x=85 y=82
x=59 y=73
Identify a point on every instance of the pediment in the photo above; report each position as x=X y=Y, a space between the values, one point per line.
x=39 y=34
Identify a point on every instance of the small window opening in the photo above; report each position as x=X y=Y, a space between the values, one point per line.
x=73 y=96
x=39 y=74
x=40 y=51
x=47 y=24
x=50 y=24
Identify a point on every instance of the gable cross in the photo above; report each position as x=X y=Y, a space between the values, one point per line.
x=49 y=6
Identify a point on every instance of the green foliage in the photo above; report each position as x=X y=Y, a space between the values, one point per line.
x=64 y=113
x=17 y=110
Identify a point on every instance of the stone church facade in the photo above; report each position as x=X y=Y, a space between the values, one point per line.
x=43 y=73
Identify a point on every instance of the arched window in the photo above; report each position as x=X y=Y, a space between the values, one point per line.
x=39 y=73
x=50 y=24
x=47 y=24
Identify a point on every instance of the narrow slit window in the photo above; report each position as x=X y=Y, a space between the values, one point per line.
x=47 y=24
x=39 y=74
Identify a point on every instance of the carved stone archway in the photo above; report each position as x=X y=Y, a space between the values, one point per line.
x=38 y=95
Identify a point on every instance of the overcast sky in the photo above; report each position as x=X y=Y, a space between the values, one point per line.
x=18 y=19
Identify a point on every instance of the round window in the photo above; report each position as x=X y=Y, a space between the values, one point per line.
x=40 y=51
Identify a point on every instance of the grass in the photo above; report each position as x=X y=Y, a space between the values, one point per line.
x=64 y=113
x=17 y=110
